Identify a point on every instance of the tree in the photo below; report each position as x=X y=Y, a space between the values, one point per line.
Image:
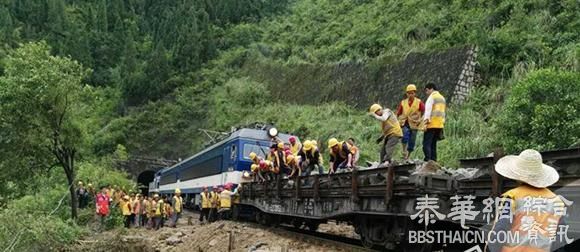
x=40 y=111
x=542 y=112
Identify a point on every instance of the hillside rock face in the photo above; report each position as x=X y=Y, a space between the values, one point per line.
x=362 y=83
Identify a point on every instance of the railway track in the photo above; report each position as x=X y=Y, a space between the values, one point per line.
x=349 y=243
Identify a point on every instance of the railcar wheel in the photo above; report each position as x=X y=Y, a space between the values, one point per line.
x=297 y=223
x=312 y=226
x=236 y=213
x=366 y=242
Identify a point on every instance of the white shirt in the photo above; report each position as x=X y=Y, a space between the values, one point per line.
x=428 y=107
x=386 y=114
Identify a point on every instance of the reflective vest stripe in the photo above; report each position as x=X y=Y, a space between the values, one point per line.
x=178 y=203
x=411 y=114
x=535 y=219
x=391 y=127
x=437 y=119
x=225 y=199
x=205 y=200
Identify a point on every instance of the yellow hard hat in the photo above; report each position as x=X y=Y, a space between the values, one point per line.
x=411 y=87
x=375 y=107
x=252 y=155
x=307 y=145
x=280 y=145
x=90 y=185
x=177 y=190
x=314 y=143
x=254 y=167
x=289 y=158
x=332 y=142
x=80 y=183
x=126 y=197
x=156 y=195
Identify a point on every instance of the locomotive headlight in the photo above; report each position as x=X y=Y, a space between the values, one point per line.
x=272 y=132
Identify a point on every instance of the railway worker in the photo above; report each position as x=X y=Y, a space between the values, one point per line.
x=409 y=113
x=226 y=201
x=255 y=158
x=341 y=155
x=144 y=203
x=177 y=204
x=391 y=132
x=159 y=209
x=131 y=202
x=82 y=195
x=295 y=146
x=137 y=210
x=91 y=193
x=355 y=151
x=150 y=212
x=126 y=210
x=266 y=168
x=102 y=202
x=279 y=161
x=256 y=173
x=434 y=120
x=310 y=158
x=206 y=204
x=214 y=199
x=521 y=205
x=293 y=163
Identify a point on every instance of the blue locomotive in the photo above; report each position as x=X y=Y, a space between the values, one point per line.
x=221 y=163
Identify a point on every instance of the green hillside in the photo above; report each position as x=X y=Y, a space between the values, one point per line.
x=154 y=72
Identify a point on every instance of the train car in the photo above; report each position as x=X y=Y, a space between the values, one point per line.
x=221 y=163
x=380 y=202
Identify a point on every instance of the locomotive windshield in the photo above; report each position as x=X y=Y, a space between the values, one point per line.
x=261 y=149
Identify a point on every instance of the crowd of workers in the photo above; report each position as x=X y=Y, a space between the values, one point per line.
x=412 y=115
x=154 y=212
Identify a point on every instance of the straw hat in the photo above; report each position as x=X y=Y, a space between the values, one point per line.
x=528 y=168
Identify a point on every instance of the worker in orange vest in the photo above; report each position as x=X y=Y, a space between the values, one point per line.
x=410 y=112
x=126 y=210
x=535 y=229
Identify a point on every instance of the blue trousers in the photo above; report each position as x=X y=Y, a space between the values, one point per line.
x=430 y=139
x=409 y=136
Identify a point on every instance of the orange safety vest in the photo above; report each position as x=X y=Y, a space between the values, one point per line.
x=295 y=148
x=528 y=219
x=437 y=120
x=391 y=127
x=410 y=114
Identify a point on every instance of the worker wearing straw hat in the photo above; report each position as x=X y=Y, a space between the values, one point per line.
x=516 y=214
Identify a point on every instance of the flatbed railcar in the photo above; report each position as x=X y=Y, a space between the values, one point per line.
x=379 y=202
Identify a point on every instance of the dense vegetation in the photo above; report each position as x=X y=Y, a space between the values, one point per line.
x=148 y=74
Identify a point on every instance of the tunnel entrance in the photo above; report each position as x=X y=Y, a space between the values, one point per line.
x=144 y=179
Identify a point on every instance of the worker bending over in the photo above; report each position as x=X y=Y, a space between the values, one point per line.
x=341 y=155
x=410 y=112
x=293 y=163
x=391 y=132
x=310 y=158
x=531 y=211
x=295 y=146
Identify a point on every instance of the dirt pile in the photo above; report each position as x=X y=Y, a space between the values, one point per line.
x=217 y=236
